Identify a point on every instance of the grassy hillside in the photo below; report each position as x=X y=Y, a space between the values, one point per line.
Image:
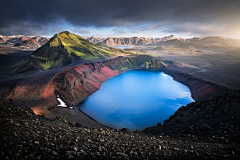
x=111 y=49
x=63 y=49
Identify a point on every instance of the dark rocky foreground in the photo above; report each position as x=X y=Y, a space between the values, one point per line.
x=207 y=129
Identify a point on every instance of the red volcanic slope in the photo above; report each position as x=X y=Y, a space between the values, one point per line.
x=73 y=84
x=76 y=83
x=199 y=88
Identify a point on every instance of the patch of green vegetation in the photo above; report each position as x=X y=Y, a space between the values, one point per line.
x=123 y=68
x=164 y=64
x=113 y=49
x=147 y=64
x=18 y=67
x=153 y=63
x=153 y=55
x=75 y=44
x=63 y=49
x=47 y=65
x=54 y=42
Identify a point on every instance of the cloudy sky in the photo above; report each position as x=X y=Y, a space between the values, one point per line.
x=104 y=18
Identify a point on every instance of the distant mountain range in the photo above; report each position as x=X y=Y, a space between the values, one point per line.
x=34 y=42
x=25 y=42
x=131 y=41
x=166 y=41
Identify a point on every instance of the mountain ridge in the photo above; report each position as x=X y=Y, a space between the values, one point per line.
x=130 y=40
x=63 y=49
x=168 y=40
x=24 y=42
x=21 y=40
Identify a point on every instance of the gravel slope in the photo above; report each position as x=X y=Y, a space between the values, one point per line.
x=28 y=136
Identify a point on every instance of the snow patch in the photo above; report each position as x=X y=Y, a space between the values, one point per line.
x=62 y=104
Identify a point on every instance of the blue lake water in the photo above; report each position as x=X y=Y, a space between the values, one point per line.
x=123 y=47
x=136 y=99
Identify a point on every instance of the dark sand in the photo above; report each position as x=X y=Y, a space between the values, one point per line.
x=218 y=65
x=10 y=55
x=75 y=115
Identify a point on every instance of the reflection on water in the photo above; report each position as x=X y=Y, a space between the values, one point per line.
x=123 y=47
x=136 y=99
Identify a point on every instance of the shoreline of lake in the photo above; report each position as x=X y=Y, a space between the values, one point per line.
x=147 y=103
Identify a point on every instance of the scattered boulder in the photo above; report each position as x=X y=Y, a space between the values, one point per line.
x=205 y=128
x=63 y=119
x=188 y=130
x=124 y=129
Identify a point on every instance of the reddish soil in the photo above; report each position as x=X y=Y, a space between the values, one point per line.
x=74 y=84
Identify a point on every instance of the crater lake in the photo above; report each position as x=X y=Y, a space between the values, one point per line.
x=136 y=99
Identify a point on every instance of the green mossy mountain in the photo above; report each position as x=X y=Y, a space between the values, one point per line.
x=63 y=49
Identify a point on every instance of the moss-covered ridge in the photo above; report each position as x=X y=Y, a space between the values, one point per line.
x=154 y=63
x=63 y=49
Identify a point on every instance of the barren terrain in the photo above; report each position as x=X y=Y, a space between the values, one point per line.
x=9 y=55
x=220 y=65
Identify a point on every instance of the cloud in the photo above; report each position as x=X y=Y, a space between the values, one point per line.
x=202 y=29
x=57 y=29
x=134 y=29
x=80 y=31
x=24 y=28
x=119 y=30
x=157 y=14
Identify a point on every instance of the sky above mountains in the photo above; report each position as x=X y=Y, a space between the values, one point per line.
x=104 y=18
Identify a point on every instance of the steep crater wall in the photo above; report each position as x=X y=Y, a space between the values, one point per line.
x=76 y=83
